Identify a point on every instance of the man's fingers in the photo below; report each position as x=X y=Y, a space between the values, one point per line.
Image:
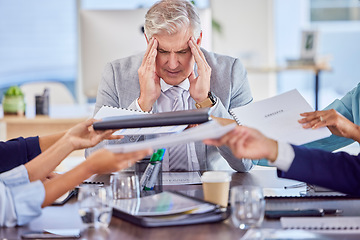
x=148 y=50
x=192 y=76
x=197 y=49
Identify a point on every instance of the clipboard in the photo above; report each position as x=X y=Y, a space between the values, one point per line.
x=185 y=117
x=215 y=213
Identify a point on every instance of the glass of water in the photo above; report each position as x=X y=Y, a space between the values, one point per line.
x=125 y=185
x=248 y=206
x=95 y=205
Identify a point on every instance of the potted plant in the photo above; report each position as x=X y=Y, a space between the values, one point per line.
x=13 y=102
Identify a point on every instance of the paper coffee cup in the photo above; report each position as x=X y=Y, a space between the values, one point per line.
x=216 y=187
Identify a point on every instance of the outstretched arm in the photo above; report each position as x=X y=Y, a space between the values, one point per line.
x=80 y=136
x=100 y=162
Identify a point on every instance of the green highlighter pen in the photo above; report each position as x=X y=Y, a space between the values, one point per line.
x=157 y=165
x=148 y=171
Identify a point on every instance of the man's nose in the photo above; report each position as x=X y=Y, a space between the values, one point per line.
x=173 y=61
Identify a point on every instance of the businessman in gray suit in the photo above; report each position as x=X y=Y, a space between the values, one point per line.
x=176 y=74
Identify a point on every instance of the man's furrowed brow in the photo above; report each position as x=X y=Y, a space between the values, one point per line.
x=184 y=50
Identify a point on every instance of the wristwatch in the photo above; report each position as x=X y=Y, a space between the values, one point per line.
x=208 y=102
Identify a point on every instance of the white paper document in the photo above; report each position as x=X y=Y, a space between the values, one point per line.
x=282 y=192
x=106 y=111
x=211 y=129
x=277 y=117
x=181 y=178
x=336 y=224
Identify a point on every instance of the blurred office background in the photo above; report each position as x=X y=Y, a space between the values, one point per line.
x=40 y=40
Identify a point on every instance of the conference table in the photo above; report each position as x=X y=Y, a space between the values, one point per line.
x=66 y=216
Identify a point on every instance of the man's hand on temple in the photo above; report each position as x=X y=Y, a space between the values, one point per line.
x=200 y=85
x=150 y=88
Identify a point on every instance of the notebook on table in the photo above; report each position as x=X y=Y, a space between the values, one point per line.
x=168 y=209
x=338 y=224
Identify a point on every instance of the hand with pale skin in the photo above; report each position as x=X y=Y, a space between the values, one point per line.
x=149 y=81
x=247 y=142
x=100 y=162
x=83 y=135
x=337 y=124
x=200 y=85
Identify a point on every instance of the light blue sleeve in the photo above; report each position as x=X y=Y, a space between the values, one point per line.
x=349 y=107
x=20 y=200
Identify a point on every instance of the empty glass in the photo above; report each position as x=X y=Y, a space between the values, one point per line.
x=248 y=206
x=125 y=185
x=95 y=205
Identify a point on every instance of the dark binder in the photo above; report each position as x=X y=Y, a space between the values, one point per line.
x=218 y=214
x=194 y=116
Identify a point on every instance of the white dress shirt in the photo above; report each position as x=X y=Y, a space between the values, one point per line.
x=285 y=157
x=164 y=104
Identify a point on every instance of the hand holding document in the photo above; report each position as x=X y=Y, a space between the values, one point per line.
x=277 y=117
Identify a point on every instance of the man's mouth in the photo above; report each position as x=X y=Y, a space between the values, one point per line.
x=171 y=72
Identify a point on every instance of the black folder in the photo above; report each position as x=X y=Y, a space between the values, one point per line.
x=194 y=116
x=217 y=214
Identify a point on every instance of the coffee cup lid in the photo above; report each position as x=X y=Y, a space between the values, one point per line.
x=215 y=176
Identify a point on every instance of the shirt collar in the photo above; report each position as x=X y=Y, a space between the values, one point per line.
x=184 y=85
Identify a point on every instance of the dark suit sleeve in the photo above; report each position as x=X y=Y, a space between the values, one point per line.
x=18 y=151
x=338 y=171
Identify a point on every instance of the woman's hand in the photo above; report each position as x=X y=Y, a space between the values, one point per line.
x=337 y=123
x=83 y=135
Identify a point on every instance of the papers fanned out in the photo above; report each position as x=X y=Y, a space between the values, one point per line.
x=211 y=129
x=323 y=224
x=277 y=117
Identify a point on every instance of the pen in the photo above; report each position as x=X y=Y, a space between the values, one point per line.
x=298 y=185
x=329 y=211
x=148 y=171
x=154 y=175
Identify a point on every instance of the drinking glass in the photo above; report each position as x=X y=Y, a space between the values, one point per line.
x=248 y=206
x=95 y=205
x=125 y=185
x=126 y=190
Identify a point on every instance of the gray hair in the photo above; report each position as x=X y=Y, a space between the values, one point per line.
x=170 y=16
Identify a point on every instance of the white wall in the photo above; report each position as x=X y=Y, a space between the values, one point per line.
x=248 y=33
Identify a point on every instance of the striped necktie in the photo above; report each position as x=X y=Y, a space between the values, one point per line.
x=178 y=159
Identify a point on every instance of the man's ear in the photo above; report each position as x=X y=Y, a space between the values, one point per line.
x=198 y=41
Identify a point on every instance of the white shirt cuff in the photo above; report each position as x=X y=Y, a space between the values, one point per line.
x=138 y=106
x=285 y=156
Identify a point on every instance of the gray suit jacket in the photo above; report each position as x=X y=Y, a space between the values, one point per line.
x=119 y=87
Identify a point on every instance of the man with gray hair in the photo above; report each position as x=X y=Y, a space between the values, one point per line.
x=175 y=74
